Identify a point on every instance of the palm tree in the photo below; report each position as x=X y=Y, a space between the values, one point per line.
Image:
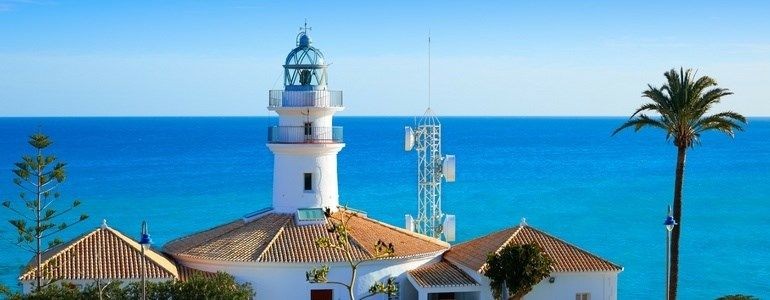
x=682 y=107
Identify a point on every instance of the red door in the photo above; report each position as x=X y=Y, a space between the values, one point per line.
x=320 y=294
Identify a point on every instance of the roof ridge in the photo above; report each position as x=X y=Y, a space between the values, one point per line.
x=404 y=231
x=272 y=241
x=153 y=255
x=510 y=238
x=504 y=244
x=65 y=247
x=575 y=246
x=483 y=236
x=210 y=229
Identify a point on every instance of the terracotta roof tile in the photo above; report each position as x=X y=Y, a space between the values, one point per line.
x=297 y=244
x=567 y=257
x=187 y=272
x=441 y=274
x=235 y=241
x=101 y=254
x=275 y=237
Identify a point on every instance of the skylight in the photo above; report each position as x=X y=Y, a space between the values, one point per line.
x=310 y=216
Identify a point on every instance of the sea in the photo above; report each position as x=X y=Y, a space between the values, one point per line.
x=567 y=176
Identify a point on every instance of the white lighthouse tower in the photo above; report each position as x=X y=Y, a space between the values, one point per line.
x=305 y=143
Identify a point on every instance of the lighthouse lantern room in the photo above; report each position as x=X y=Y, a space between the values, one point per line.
x=305 y=143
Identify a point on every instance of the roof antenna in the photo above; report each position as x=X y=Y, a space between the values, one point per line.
x=428 y=68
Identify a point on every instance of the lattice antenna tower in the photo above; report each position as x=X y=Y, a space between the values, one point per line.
x=432 y=168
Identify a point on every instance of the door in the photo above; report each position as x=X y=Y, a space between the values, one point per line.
x=320 y=294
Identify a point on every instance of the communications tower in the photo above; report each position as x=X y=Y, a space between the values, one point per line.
x=432 y=168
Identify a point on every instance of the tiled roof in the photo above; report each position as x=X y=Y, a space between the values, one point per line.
x=187 y=272
x=566 y=257
x=275 y=237
x=442 y=274
x=103 y=253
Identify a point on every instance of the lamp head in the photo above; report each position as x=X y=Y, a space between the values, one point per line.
x=670 y=223
x=145 y=237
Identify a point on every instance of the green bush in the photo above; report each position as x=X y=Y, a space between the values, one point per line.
x=219 y=286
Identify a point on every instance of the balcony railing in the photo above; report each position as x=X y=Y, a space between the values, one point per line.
x=304 y=135
x=281 y=98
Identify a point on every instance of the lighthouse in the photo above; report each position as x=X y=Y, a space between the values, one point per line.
x=305 y=143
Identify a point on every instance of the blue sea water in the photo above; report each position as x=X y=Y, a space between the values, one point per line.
x=565 y=175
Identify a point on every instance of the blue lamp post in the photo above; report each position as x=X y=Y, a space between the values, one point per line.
x=669 y=223
x=144 y=242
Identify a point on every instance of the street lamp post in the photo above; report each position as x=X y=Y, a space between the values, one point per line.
x=144 y=242
x=669 y=223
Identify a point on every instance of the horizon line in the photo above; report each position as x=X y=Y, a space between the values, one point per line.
x=342 y=116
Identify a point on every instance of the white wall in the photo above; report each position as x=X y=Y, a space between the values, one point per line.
x=320 y=117
x=602 y=286
x=291 y=162
x=287 y=281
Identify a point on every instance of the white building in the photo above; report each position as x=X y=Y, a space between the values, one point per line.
x=577 y=274
x=273 y=248
x=104 y=255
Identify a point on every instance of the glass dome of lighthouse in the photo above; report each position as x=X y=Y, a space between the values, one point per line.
x=305 y=68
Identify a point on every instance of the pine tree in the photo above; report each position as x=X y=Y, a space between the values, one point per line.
x=38 y=176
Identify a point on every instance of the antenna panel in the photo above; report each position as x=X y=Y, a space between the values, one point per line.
x=408 y=138
x=409 y=223
x=449 y=228
x=448 y=168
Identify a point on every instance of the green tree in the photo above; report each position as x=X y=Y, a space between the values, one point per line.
x=156 y=290
x=518 y=267
x=39 y=174
x=681 y=109
x=5 y=291
x=341 y=242
x=220 y=286
x=100 y=289
x=63 y=291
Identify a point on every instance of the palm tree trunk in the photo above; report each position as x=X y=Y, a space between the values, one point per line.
x=678 y=183
x=38 y=232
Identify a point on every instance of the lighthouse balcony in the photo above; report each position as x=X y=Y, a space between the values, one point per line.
x=309 y=98
x=304 y=135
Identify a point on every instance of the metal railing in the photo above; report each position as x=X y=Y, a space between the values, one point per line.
x=304 y=135
x=281 y=98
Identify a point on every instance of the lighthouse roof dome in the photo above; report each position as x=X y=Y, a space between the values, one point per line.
x=304 y=54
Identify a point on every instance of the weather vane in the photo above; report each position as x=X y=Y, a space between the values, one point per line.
x=305 y=28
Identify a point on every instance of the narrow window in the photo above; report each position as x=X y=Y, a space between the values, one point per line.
x=308 y=181
x=321 y=294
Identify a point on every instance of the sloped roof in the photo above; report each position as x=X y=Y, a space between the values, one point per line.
x=441 y=274
x=104 y=253
x=275 y=237
x=187 y=272
x=566 y=257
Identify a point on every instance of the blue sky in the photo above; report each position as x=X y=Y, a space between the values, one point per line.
x=519 y=58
